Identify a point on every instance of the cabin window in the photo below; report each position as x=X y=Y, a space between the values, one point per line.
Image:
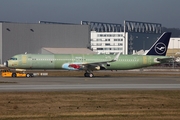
x=13 y=58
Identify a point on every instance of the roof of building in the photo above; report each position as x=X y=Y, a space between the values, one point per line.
x=69 y=50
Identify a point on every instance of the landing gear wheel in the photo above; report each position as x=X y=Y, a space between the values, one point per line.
x=32 y=75
x=14 y=75
x=28 y=75
x=91 y=75
x=88 y=75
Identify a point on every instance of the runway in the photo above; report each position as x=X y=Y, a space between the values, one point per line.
x=82 y=83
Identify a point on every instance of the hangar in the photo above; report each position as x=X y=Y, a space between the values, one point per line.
x=18 y=38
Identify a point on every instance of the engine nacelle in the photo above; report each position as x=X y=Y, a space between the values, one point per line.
x=97 y=68
x=72 y=66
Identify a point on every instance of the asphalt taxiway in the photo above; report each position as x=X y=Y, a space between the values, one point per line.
x=82 y=83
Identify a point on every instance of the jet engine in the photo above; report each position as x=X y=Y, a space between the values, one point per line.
x=97 y=68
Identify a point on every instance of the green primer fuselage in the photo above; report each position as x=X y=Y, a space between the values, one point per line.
x=55 y=61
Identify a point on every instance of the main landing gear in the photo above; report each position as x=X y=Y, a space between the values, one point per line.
x=88 y=75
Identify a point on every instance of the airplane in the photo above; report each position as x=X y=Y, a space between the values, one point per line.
x=91 y=62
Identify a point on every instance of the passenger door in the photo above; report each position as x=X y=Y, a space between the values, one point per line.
x=26 y=61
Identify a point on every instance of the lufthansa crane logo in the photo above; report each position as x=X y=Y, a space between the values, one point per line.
x=160 y=48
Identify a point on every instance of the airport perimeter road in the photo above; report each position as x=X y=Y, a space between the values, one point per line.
x=82 y=83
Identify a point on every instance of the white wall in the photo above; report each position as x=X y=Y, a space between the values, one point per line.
x=174 y=43
x=108 y=40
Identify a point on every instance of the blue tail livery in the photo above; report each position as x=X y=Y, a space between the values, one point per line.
x=161 y=45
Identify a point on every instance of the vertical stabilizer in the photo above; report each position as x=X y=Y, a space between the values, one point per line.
x=161 y=45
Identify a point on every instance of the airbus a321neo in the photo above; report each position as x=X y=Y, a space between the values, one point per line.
x=91 y=62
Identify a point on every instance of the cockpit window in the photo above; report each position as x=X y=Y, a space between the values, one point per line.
x=13 y=58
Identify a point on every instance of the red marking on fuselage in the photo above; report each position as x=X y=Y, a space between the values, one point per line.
x=74 y=66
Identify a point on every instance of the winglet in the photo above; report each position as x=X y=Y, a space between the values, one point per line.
x=116 y=57
x=161 y=45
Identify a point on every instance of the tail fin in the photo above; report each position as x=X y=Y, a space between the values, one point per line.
x=161 y=45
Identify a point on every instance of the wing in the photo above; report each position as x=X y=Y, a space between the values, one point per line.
x=90 y=65
x=100 y=65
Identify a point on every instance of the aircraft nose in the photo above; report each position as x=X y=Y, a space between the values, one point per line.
x=6 y=63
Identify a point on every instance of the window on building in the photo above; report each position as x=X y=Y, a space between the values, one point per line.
x=120 y=44
x=99 y=48
x=107 y=39
x=107 y=44
x=99 y=39
x=98 y=44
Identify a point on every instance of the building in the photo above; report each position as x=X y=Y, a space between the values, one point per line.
x=66 y=51
x=174 y=47
x=108 y=42
x=18 y=38
x=110 y=38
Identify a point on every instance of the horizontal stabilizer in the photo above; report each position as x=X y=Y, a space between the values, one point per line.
x=163 y=60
